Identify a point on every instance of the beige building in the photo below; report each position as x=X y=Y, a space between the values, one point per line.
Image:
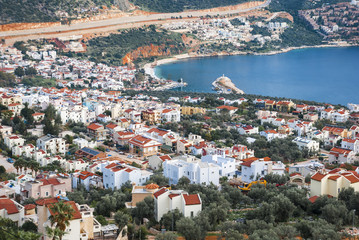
x=139 y=193
x=333 y=182
x=186 y=110
x=144 y=146
x=82 y=226
x=7 y=100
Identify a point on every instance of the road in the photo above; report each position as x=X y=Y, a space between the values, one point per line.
x=144 y=19
x=8 y=166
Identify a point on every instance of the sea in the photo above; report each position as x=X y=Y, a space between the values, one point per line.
x=328 y=75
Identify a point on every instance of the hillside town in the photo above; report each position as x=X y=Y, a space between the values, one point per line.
x=93 y=146
x=337 y=21
x=234 y=31
x=55 y=141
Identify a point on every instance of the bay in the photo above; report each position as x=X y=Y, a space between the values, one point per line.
x=318 y=74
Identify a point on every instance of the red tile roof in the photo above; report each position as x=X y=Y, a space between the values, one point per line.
x=29 y=206
x=9 y=205
x=192 y=199
x=160 y=192
x=76 y=214
x=318 y=176
x=52 y=181
x=229 y=108
x=94 y=126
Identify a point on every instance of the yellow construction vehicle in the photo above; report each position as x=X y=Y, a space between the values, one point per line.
x=246 y=187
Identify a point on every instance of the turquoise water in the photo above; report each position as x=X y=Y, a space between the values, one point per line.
x=318 y=74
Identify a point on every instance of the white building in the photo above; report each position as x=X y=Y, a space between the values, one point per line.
x=271 y=134
x=228 y=166
x=171 y=115
x=196 y=171
x=51 y=144
x=311 y=145
x=351 y=144
x=117 y=174
x=13 y=140
x=256 y=168
x=353 y=107
x=12 y=210
x=169 y=200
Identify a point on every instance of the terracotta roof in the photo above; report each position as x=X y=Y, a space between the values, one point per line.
x=313 y=199
x=173 y=195
x=160 y=192
x=9 y=205
x=352 y=178
x=94 y=126
x=334 y=177
x=111 y=125
x=46 y=201
x=52 y=181
x=29 y=206
x=229 y=108
x=192 y=199
x=152 y=186
x=76 y=214
x=165 y=157
x=318 y=176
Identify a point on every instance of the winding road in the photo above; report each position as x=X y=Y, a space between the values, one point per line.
x=121 y=22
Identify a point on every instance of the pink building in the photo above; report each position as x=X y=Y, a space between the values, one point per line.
x=44 y=188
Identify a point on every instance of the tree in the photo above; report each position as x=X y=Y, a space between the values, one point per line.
x=159 y=179
x=170 y=218
x=102 y=220
x=60 y=219
x=29 y=226
x=336 y=214
x=121 y=219
x=30 y=71
x=183 y=181
x=10 y=231
x=144 y=209
x=167 y=236
x=19 y=71
x=189 y=229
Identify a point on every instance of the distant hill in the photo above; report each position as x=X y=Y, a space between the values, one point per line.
x=182 y=5
x=12 y=11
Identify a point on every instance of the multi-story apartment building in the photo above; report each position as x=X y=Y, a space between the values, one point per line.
x=196 y=171
x=51 y=144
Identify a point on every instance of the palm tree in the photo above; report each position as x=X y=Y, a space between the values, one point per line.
x=19 y=164
x=62 y=213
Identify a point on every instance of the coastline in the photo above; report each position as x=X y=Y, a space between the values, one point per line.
x=150 y=67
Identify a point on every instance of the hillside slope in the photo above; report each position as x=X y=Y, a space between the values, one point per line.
x=13 y=11
x=182 y=5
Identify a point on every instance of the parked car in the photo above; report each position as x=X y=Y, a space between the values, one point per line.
x=10 y=160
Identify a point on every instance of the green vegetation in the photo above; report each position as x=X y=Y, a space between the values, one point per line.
x=260 y=30
x=182 y=5
x=39 y=81
x=46 y=11
x=10 y=231
x=292 y=6
x=298 y=35
x=112 y=49
x=7 y=79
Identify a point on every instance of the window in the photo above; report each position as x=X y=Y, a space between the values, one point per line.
x=192 y=214
x=46 y=194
